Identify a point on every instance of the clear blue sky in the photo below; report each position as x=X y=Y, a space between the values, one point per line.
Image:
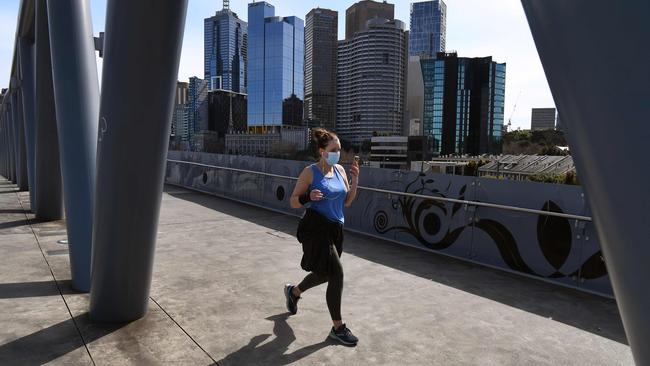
x=475 y=28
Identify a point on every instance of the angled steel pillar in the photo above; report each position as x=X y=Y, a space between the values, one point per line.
x=48 y=193
x=6 y=141
x=142 y=46
x=76 y=93
x=3 y=139
x=14 y=136
x=26 y=62
x=2 y=143
x=11 y=140
x=21 y=158
x=604 y=99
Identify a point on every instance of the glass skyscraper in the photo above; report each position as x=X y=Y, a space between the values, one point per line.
x=225 y=51
x=428 y=28
x=463 y=104
x=321 y=33
x=275 y=67
x=179 y=129
x=196 y=108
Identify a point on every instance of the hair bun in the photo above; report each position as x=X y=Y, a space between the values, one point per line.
x=322 y=137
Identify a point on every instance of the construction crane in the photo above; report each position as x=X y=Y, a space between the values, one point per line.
x=513 y=112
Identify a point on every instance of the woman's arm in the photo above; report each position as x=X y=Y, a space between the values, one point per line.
x=352 y=187
x=304 y=181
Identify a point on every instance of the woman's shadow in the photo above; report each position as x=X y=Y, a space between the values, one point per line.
x=273 y=352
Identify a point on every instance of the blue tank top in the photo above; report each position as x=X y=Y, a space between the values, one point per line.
x=334 y=193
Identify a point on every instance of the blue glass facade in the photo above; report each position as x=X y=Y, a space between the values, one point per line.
x=428 y=28
x=196 y=107
x=225 y=51
x=463 y=104
x=276 y=60
x=433 y=76
x=499 y=102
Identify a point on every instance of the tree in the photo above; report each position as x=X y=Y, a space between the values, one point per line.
x=365 y=146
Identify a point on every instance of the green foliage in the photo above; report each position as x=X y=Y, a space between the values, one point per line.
x=553 y=150
x=365 y=146
x=541 y=142
x=562 y=178
x=472 y=167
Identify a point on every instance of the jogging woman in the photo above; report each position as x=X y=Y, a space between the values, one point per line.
x=323 y=188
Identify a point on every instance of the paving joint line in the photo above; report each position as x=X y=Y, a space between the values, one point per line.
x=56 y=282
x=184 y=331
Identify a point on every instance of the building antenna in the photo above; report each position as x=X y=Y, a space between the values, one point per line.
x=226 y=4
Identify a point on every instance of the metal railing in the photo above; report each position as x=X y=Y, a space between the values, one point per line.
x=407 y=194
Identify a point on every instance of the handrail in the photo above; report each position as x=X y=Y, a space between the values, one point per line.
x=407 y=194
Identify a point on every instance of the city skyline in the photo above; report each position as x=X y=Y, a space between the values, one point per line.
x=475 y=28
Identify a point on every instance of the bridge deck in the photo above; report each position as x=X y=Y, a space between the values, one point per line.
x=217 y=297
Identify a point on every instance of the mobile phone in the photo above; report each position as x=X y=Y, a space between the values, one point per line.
x=356 y=158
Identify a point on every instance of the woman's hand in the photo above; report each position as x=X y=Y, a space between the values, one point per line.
x=316 y=195
x=352 y=192
x=354 y=171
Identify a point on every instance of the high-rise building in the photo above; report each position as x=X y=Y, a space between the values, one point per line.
x=179 y=131
x=196 y=110
x=389 y=152
x=225 y=51
x=226 y=112
x=321 y=30
x=275 y=68
x=542 y=119
x=371 y=81
x=357 y=15
x=414 y=97
x=463 y=104
x=428 y=28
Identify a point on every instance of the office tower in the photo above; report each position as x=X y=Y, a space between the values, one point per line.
x=414 y=97
x=226 y=112
x=357 y=15
x=225 y=51
x=275 y=68
x=428 y=28
x=542 y=119
x=179 y=128
x=321 y=30
x=371 y=81
x=463 y=104
x=197 y=107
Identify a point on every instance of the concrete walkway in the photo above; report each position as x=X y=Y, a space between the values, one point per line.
x=217 y=298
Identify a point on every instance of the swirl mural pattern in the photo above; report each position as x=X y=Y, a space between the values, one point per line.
x=426 y=218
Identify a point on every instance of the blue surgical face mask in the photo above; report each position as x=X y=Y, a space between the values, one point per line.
x=333 y=157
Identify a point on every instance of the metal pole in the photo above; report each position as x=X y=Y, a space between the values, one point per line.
x=5 y=137
x=26 y=57
x=76 y=92
x=13 y=137
x=21 y=158
x=7 y=149
x=48 y=192
x=2 y=169
x=11 y=140
x=3 y=147
x=604 y=103
x=142 y=47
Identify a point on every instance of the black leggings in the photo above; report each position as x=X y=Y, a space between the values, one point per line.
x=334 y=279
